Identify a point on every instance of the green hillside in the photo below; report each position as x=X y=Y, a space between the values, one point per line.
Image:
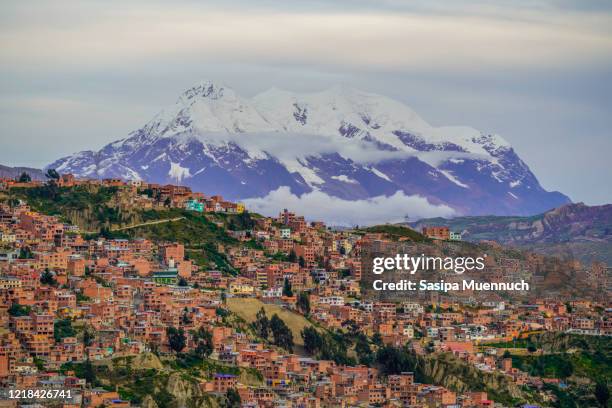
x=396 y=232
x=102 y=211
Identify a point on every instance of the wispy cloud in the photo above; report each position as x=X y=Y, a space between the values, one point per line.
x=319 y=206
x=381 y=40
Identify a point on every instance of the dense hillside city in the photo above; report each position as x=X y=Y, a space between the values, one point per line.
x=134 y=294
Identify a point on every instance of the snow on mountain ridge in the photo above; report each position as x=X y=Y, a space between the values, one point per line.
x=341 y=142
x=336 y=112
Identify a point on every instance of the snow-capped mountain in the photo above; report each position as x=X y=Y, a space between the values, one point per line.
x=343 y=143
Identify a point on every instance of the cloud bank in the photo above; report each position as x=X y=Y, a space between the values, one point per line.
x=136 y=31
x=289 y=147
x=335 y=211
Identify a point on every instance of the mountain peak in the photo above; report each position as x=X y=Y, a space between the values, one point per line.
x=207 y=89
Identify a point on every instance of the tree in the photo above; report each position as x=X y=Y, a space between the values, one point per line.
x=52 y=174
x=167 y=202
x=88 y=336
x=287 y=288
x=262 y=324
x=335 y=347
x=25 y=253
x=182 y=282
x=313 y=341
x=17 y=310
x=233 y=398
x=363 y=350
x=40 y=363
x=602 y=393
x=292 y=256
x=185 y=317
x=281 y=333
x=47 y=278
x=89 y=373
x=24 y=178
x=393 y=360
x=351 y=327
x=303 y=303
x=204 y=342
x=302 y=261
x=176 y=339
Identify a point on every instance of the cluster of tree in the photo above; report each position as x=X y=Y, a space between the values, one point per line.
x=602 y=393
x=176 y=339
x=281 y=334
x=303 y=303
x=47 y=278
x=313 y=340
x=241 y=222
x=294 y=258
x=89 y=373
x=17 y=310
x=25 y=252
x=335 y=345
x=185 y=320
x=24 y=178
x=52 y=175
x=89 y=335
x=394 y=360
x=287 y=290
x=232 y=399
x=62 y=329
x=204 y=343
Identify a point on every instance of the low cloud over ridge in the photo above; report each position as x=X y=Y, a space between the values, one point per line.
x=335 y=211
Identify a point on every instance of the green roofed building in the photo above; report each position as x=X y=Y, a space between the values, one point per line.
x=195 y=205
x=169 y=277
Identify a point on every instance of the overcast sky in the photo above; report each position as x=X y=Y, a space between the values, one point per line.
x=76 y=75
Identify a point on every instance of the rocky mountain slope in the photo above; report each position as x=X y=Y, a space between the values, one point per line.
x=573 y=230
x=568 y=223
x=343 y=143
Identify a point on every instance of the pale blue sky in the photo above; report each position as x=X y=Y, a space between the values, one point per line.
x=75 y=75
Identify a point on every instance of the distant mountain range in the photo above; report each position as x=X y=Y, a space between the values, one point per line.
x=573 y=230
x=343 y=143
x=15 y=172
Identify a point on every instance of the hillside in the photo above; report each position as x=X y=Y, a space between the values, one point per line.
x=153 y=382
x=247 y=309
x=396 y=232
x=580 y=361
x=573 y=230
x=106 y=211
x=15 y=172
